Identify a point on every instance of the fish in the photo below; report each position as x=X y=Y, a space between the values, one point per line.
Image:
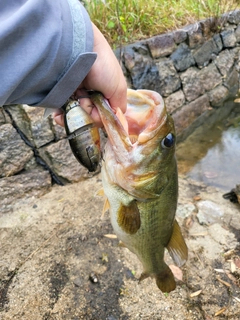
x=140 y=182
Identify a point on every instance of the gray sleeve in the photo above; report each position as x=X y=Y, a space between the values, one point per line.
x=45 y=51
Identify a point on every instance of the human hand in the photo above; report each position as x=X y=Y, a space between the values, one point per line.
x=105 y=76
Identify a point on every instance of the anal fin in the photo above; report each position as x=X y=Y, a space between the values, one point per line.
x=177 y=247
x=129 y=217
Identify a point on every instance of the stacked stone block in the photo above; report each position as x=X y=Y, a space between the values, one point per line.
x=195 y=69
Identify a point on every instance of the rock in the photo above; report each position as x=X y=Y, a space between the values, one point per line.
x=78 y=282
x=185 y=116
x=231 y=82
x=237 y=34
x=31 y=164
x=182 y=57
x=30 y=121
x=141 y=48
x=208 y=212
x=218 y=95
x=60 y=159
x=203 y=55
x=21 y=120
x=142 y=70
x=179 y=36
x=218 y=41
x=185 y=210
x=234 y=17
x=14 y=153
x=133 y=53
x=41 y=131
x=4 y=117
x=145 y=76
x=225 y=61
x=169 y=80
x=192 y=86
x=161 y=46
x=174 y=101
x=210 y=77
x=195 y=36
x=34 y=183
x=228 y=38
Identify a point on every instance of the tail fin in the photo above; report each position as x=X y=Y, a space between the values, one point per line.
x=165 y=280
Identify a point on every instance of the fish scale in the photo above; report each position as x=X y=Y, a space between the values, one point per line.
x=140 y=182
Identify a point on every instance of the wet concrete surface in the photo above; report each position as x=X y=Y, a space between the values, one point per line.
x=57 y=263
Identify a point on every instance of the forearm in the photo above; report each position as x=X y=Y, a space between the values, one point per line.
x=45 y=51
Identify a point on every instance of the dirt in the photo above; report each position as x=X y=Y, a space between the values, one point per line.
x=57 y=263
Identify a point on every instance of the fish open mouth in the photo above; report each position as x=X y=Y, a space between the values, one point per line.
x=144 y=117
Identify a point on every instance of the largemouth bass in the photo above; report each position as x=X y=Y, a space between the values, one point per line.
x=140 y=181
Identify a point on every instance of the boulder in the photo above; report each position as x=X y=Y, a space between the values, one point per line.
x=33 y=183
x=14 y=153
x=169 y=80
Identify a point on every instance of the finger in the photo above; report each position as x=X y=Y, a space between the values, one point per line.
x=119 y=97
x=87 y=105
x=59 y=118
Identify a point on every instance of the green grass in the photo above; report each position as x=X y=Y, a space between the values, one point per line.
x=126 y=21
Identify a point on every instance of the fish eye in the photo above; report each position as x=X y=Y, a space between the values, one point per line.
x=168 y=141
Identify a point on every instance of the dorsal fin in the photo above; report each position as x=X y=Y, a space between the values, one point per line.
x=177 y=246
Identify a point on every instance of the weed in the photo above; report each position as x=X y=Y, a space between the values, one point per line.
x=126 y=21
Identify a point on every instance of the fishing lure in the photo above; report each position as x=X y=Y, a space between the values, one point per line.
x=83 y=135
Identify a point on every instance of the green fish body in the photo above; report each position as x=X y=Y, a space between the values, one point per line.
x=140 y=181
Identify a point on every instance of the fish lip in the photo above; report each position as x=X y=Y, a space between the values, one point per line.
x=117 y=135
x=123 y=141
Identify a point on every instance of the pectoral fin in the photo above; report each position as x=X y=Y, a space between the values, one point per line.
x=129 y=217
x=100 y=192
x=121 y=244
x=177 y=246
x=106 y=206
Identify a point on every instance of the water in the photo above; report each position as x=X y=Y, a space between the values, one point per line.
x=212 y=153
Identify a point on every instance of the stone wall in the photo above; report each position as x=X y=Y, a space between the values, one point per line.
x=195 y=69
